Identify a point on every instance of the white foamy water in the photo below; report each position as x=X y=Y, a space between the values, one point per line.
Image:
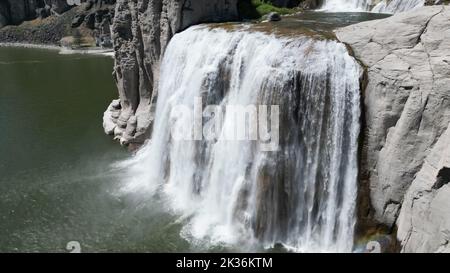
x=346 y=5
x=231 y=192
x=384 y=6
x=395 y=6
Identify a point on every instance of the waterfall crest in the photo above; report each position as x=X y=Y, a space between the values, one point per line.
x=383 y=6
x=303 y=195
x=395 y=6
x=346 y=5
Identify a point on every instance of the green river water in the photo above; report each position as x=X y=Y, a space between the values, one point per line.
x=57 y=177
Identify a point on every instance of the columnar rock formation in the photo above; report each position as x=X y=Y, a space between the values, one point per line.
x=407 y=110
x=141 y=32
x=16 y=11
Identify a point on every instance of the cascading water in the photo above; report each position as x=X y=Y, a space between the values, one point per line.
x=383 y=6
x=233 y=192
x=395 y=6
x=346 y=5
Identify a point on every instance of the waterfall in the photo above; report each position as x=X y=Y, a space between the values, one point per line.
x=346 y=5
x=301 y=195
x=383 y=6
x=395 y=6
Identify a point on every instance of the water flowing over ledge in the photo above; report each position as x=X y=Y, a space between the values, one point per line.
x=302 y=196
x=384 y=6
x=395 y=6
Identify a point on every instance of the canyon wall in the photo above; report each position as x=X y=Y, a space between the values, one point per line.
x=407 y=110
x=16 y=11
x=424 y=221
x=48 y=21
x=4 y=14
x=141 y=32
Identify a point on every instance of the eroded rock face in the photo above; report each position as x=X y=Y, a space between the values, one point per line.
x=97 y=16
x=58 y=6
x=16 y=11
x=141 y=32
x=407 y=104
x=424 y=222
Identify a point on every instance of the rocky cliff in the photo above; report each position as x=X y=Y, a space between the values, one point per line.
x=48 y=21
x=424 y=221
x=404 y=160
x=16 y=11
x=141 y=32
x=407 y=111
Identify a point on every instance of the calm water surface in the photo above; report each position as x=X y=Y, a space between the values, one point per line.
x=57 y=181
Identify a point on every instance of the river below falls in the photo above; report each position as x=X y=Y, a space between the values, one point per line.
x=58 y=178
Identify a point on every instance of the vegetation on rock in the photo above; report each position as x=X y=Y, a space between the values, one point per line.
x=254 y=9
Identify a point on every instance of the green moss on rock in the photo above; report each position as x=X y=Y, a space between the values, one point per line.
x=254 y=9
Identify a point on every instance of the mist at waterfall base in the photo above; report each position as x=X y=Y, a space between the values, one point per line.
x=232 y=193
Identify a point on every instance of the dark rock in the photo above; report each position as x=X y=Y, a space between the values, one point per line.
x=442 y=178
x=88 y=5
x=310 y=4
x=43 y=12
x=16 y=11
x=66 y=13
x=433 y=2
x=21 y=10
x=286 y=3
x=141 y=31
x=4 y=14
x=78 y=20
x=59 y=6
x=90 y=20
x=273 y=17
x=406 y=132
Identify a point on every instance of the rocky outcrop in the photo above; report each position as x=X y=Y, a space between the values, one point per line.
x=424 y=222
x=16 y=11
x=310 y=4
x=407 y=109
x=285 y=3
x=57 y=18
x=4 y=14
x=97 y=15
x=141 y=32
